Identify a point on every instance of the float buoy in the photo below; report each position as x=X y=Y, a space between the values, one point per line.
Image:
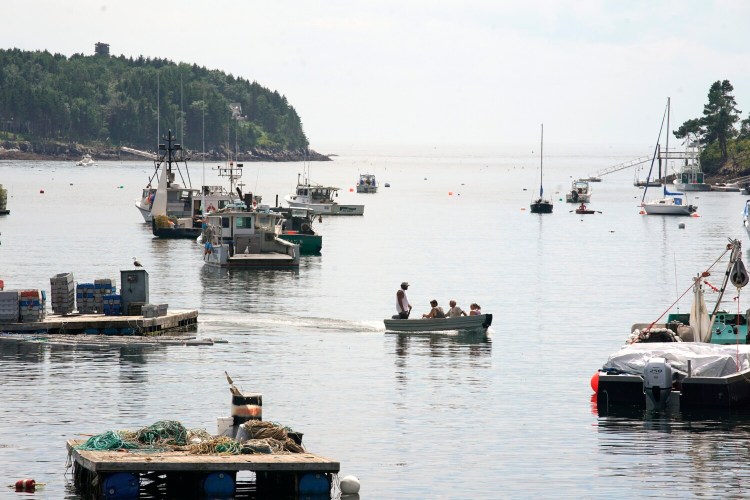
x=41 y=191
x=349 y=485
x=450 y=193
x=25 y=485
x=595 y=382
x=351 y=190
x=642 y=212
x=695 y=215
x=681 y=225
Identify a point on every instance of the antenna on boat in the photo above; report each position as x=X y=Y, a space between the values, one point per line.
x=203 y=153
x=158 y=114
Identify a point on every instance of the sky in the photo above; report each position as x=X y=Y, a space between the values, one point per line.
x=433 y=73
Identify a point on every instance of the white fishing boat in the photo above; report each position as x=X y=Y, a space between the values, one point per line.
x=86 y=161
x=580 y=192
x=320 y=199
x=699 y=360
x=690 y=177
x=367 y=183
x=670 y=203
x=182 y=200
x=479 y=322
x=247 y=240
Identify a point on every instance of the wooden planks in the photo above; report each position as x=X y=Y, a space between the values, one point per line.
x=79 y=323
x=181 y=461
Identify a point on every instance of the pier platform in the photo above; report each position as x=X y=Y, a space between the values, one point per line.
x=105 y=325
x=172 y=473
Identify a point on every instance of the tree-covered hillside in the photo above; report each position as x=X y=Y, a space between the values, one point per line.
x=725 y=146
x=113 y=101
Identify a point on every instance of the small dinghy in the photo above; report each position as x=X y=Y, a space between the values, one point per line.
x=583 y=209
x=478 y=322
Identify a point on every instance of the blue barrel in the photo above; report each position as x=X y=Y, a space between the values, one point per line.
x=314 y=483
x=120 y=486
x=218 y=485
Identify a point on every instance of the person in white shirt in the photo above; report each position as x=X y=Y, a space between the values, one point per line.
x=403 y=308
x=455 y=311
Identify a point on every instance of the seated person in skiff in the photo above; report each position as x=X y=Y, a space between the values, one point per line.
x=475 y=310
x=435 y=312
x=455 y=311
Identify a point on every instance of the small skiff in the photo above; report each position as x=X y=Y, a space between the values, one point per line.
x=480 y=322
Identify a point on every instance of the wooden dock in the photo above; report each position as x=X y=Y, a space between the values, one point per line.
x=106 y=325
x=179 y=474
x=182 y=461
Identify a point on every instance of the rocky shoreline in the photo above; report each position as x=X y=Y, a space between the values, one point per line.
x=27 y=150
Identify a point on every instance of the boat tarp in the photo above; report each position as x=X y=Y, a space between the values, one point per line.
x=707 y=360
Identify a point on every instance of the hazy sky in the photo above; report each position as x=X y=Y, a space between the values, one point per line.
x=433 y=72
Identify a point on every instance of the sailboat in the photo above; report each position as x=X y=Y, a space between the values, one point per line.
x=671 y=203
x=541 y=205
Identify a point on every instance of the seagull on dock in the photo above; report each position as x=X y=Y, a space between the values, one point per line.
x=136 y=263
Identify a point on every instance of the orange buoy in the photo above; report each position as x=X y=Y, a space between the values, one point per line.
x=642 y=212
x=450 y=193
x=595 y=382
x=695 y=215
x=25 y=485
x=351 y=190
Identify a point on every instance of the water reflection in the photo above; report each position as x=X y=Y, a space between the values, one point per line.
x=453 y=344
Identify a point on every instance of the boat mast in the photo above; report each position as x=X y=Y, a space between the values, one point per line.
x=541 y=165
x=666 y=148
x=203 y=153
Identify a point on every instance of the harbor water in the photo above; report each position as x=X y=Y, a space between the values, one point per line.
x=507 y=415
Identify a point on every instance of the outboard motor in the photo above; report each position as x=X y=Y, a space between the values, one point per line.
x=657 y=384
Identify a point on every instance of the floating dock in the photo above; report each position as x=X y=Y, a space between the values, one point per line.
x=100 y=324
x=178 y=473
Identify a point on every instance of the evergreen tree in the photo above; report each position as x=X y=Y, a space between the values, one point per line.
x=719 y=116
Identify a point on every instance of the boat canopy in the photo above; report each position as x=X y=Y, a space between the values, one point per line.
x=707 y=360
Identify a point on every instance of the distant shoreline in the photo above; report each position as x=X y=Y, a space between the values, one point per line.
x=26 y=150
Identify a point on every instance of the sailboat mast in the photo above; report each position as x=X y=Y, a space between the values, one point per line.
x=203 y=153
x=541 y=164
x=666 y=146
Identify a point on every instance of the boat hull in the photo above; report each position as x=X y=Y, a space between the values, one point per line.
x=480 y=322
x=309 y=244
x=328 y=208
x=541 y=207
x=697 y=186
x=581 y=198
x=717 y=393
x=656 y=209
x=367 y=189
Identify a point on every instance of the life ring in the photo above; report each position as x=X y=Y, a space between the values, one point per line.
x=211 y=208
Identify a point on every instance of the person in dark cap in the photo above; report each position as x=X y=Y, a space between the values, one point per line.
x=403 y=308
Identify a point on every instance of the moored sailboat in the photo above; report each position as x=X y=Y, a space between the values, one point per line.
x=541 y=205
x=670 y=203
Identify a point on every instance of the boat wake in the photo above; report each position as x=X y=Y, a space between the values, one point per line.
x=283 y=322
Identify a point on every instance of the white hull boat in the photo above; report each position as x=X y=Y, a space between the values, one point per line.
x=480 y=322
x=667 y=206
x=86 y=161
x=670 y=203
x=319 y=199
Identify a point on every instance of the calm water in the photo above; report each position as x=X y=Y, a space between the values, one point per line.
x=441 y=416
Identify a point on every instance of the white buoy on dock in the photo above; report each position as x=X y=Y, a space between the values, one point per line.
x=349 y=485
